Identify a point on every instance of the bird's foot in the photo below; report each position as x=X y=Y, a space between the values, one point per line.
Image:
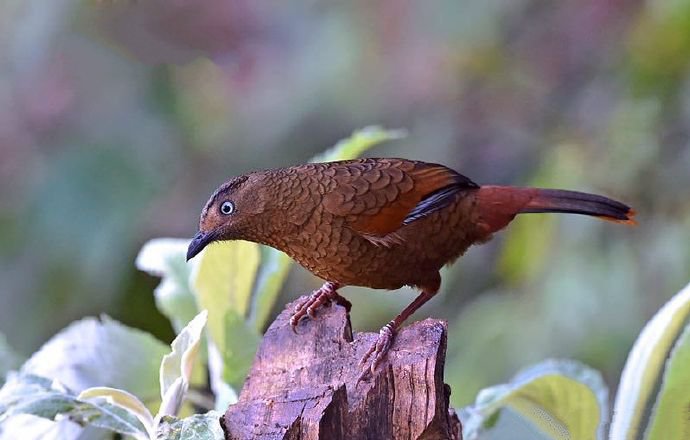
x=377 y=352
x=323 y=295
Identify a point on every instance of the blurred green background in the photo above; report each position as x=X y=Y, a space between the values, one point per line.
x=118 y=119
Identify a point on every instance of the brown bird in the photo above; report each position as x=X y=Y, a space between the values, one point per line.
x=380 y=223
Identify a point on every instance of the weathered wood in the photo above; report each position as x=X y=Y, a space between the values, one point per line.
x=302 y=386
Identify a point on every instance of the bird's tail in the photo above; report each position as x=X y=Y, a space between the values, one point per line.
x=498 y=205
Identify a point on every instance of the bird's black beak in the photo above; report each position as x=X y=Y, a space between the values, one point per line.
x=199 y=242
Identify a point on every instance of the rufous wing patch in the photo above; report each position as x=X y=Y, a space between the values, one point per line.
x=387 y=193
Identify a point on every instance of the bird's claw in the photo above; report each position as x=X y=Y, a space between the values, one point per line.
x=321 y=296
x=377 y=352
x=311 y=310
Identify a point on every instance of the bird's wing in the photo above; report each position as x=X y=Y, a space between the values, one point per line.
x=378 y=196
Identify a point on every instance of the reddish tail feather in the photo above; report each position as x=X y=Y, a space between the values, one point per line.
x=498 y=205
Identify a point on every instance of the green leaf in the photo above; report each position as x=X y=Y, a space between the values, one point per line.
x=197 y=427
x=166 y=258
x=124 y=400
x=275 y=264
x=20 y=387
x=655 y=365
x=176 y=367
x=271 y=277
x=670 y=417
x=562 y=399
x=93 y=352
x=359 y=142
x=238 y=354
x=111 y=417
x=37 y=396
x=223 y=278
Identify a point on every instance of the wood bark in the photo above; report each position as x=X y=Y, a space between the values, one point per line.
x=302 y=386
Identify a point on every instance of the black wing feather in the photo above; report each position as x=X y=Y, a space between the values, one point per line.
x=439 y=199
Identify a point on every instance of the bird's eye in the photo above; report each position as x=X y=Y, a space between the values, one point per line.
x=227 y=207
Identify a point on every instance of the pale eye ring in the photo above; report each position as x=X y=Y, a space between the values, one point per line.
x=227 y=207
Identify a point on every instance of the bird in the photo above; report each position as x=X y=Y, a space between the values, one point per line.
x=381 y=223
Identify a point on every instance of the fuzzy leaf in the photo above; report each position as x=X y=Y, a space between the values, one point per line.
x=176 y=367
x=670 y=417
x=242 y=342
x=562 y=399
x=197 y=427
x=653 y=362
x=166 y=258
x=270 y=279
x=223 y=280
x=37 y=396
x=121 y=399
x=93 y=352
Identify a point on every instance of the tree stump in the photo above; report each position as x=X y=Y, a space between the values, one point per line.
x=302 y=386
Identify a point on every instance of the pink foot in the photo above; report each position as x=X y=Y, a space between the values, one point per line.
x=378 y=351
x=321 y=296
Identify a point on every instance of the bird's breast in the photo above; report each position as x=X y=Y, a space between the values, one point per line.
x=327 y=247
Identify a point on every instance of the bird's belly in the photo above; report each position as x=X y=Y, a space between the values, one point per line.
x=355 y=263
x=421 y=248
x=363 y=263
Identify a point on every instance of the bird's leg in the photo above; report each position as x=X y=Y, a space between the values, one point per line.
x=323 y=295
x=377 y=352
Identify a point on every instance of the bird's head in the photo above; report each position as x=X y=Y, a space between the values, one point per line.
x=229 y=213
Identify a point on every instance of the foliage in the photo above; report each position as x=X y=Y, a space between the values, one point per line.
x=566 y=400
x=105 y=407
x=38 y=396
x=562 y=399
x=653 y=400
x=92 y=352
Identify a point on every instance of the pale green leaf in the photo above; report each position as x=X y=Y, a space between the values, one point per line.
x=22 y=389
x=562 y=399
x=37 y=396
x=238 y=353
x=111 y=417
x=166 y=258
x=644 y=369
x=509 y=425
x=197 y=427
x=359 y=142
x=223 y=278
x=670 y=416
x=172 y=399
x=275 y=264
x=120 y=398
x=176 y=367
x=175 y=298
x=93 y=352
